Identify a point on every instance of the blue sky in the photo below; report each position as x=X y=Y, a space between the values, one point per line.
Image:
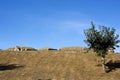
x=53 y=23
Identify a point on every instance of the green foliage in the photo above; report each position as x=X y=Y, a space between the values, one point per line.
x=101 y=40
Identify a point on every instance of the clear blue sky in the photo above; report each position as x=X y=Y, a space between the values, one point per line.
x=53 y=23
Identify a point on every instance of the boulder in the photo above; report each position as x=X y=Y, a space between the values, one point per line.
x=47 y=49
x=28 y=49
x=71 y=49
x=18 y=48
x=10 y=49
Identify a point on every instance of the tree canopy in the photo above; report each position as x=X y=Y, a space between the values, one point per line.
x=101 y=40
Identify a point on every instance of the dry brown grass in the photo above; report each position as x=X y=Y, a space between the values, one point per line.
x=54 y=65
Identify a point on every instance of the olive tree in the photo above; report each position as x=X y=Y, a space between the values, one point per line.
x=100 y=40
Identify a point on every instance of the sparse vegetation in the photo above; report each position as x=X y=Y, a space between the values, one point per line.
x=55 y=65
x=101 y=40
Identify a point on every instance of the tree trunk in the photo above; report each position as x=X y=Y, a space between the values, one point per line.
x=103 y=64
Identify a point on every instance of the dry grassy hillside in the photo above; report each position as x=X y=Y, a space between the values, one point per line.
x=55 y=65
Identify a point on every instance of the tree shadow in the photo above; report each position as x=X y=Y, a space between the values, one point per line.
x=112 y=65
x=4 y=67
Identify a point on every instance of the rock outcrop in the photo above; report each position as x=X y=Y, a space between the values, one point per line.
x=18 y=48
x=46 y=49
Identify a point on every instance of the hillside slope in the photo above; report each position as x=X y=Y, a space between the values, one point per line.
x=55 y=65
